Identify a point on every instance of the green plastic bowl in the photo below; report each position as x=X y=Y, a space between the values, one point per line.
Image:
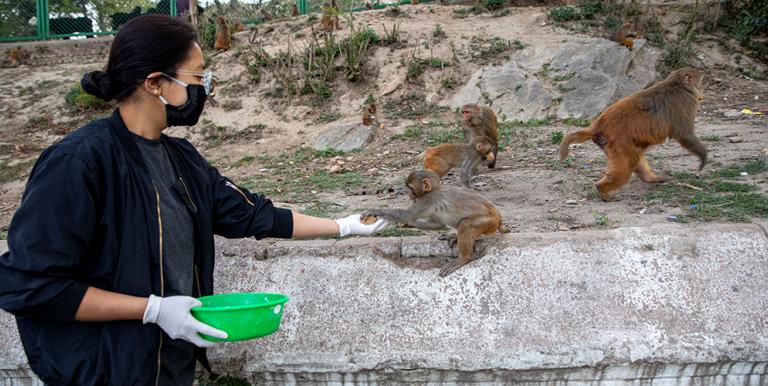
x=242 y=316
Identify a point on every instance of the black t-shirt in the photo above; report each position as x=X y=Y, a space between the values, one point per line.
x=177 y=362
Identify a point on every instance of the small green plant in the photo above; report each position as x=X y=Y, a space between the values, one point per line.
x=414 y=69
x=555 y=137
x=502 y=12
x=328 y=117
x=410 y=132
x=80 y=100
x=601 y=219
x=449 y=83
x=564 y=77
x=232 y=104
x=438 y=32
x=437 y=137
x=711 y=138
x=581 y=122
x=563 y=13
x=493 y=5
x=392 y=37
x=328 y=153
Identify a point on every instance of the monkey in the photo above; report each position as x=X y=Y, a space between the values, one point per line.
x=239 y=27
x=294 y=10
x=368 y=6
x=326 y=22
x=266 y=14
x=480 y=121
x=623 y=38
x=414 y=2
x=369 y=117
x=19 y=56
x=223 y=39
x=442 y=158
x=647 y=117
x=335 y=15
x=437 y=206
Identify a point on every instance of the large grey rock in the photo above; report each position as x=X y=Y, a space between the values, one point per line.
x=344 y=137
x=584 y=75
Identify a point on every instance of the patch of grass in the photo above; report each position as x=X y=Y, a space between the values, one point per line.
x=751 y=167
x=438 y=32
x=411 y=106
x=232 y=104
x=437 y=137
x=449 y=83
x=410 y=132
x=3 y=235
x=718 y=200
x=601 y=219
x=321 y=209
x=77 y=99
x=399 y=232
x=329 y=153
x=328 y=117
x=502 y=12
x=464 y=12
x=581 y=122
x=483 y=49
x=392 y=37
x=555 y=137
x=322 y=180
x=564 y=77
x=493 y=5
x=414 y=69
x=247 y=160
x=564 y=89
x=563 y=13
x=711 y=138
x=15 y=172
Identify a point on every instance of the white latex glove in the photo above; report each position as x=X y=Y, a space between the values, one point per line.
x=351 y=225
x=173 y=316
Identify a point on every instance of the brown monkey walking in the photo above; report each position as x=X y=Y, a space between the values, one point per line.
x=442 y=158
x=480 y=121
x=335 y=8
x=294 y=10
x=223 y=39
x=436 y=206
x=648 y=117
x=326 y=22
x=623 y=37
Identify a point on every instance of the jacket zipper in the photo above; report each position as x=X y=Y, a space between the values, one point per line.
x=194 y=264
x=233 y=186
x=162 y=284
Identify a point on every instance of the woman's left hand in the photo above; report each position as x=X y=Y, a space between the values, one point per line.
x=351 y=225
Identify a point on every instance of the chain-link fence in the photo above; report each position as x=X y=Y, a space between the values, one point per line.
x=45 y=19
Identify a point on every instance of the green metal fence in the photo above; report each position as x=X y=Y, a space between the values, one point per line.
x=22 y=20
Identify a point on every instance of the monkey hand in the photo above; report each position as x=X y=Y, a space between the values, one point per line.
x=353 y=225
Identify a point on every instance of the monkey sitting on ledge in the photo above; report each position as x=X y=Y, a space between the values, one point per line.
x=436 y=206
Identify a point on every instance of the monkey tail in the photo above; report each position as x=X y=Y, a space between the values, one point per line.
x=575 y=137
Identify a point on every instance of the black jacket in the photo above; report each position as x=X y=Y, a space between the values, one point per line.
x=90 y=217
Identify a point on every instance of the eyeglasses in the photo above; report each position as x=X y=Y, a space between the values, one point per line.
x=209 y=83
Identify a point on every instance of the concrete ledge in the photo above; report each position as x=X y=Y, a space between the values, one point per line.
x=667 y=305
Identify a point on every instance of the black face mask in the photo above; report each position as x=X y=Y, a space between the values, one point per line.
x=189 y=113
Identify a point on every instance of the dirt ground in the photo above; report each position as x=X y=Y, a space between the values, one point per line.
x=261 y=141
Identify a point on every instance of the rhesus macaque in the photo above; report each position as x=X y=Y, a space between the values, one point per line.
x=294 y=10
x=239 y=27
x=336 y=24
x=223 y=38
x=648 y=117
x=19 y=56
x=369 y=116
x=368 y=5
x=265 y=14
x=436 y=206
x=480 y=121
x=442 y=158
x=414 y=2
x=623 y=37
x=326 y=22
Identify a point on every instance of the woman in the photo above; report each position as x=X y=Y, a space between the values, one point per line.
x=114 y=235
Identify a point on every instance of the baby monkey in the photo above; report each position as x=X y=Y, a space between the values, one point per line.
x=437 y=206
x=442 y=158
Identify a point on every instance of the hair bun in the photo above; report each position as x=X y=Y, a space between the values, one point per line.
x=99 y=84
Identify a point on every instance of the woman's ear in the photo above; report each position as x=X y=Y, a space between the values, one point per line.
x=151 y=83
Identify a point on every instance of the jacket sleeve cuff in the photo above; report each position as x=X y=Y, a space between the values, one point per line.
x=64 y=306
x=283 y=225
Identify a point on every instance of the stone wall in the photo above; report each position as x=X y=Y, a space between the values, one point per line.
x=663 y=305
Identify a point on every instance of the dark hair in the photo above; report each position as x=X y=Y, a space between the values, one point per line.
x=145 y=44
